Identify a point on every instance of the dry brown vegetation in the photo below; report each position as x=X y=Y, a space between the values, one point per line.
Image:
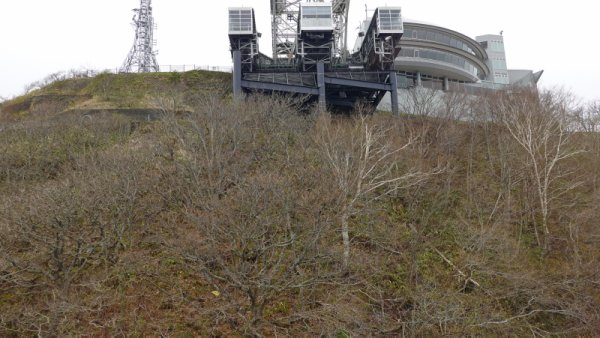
x=251 y=219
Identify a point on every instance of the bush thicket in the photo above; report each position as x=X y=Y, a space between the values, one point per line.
x=251 y=218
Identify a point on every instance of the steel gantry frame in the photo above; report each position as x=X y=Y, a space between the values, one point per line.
x=284 y=25
x=310 y=56
x=142 y=58
x=243 y=36
x=381 y=43
x=340 y=19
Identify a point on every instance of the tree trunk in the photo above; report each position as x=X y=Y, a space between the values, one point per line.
x=346 y=238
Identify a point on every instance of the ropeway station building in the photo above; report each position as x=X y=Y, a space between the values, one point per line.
x=440 y=58
x=390 y=55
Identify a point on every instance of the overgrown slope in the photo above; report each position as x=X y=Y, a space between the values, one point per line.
x=112 y=91
x=251 y=219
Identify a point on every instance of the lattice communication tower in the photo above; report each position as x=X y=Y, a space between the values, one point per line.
x=142 y=58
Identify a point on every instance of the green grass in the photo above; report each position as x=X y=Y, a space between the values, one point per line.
x=119 y=90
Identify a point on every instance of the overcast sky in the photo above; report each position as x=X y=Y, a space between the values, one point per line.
x=39 y=37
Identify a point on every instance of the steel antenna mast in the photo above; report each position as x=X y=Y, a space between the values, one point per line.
x=142 y=58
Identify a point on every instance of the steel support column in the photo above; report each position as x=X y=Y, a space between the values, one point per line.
x=321 y=85
x=394 y=93
x=237 y=74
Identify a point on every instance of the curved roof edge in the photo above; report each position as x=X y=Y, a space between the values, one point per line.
x=472 y=43
x=441 y=47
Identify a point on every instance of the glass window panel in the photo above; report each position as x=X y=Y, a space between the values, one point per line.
x=390 y=20
x=445 y=39
x=323 y=12
x=309 y=12
x=438 y=38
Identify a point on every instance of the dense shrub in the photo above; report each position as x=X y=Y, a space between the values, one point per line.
x=251 y=218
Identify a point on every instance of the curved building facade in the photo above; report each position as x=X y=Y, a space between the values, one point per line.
x=441 y=52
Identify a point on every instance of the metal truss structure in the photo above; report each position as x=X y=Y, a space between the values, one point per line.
x=142 y=58
x=340 y=19
x=243 y=36
x=315 y=42
x=313 y=52
x=381 y=43
x=310 y=57
x=284 y=25
x=248 y=48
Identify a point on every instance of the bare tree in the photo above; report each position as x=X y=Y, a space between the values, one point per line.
x=253 y=236
x=455 y=105
x=538 y=123
x=257 y=242
x=421 y=102
x=586 y=118
x=56 y=232
x=365 y=164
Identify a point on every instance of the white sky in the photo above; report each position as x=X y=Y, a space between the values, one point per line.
x=39 y=37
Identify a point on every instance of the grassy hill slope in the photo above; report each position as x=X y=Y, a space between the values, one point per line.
x=251 y=219
x=112 y=91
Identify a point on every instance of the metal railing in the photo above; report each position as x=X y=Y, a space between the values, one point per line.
x=187 y=68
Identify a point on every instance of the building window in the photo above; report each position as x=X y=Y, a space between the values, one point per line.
x=427 y=35
x=440 y=56
x=496 y=46
x=316 y=12
x=390 y=19
x=499 y=63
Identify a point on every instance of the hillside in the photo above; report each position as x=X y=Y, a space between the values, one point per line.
x=252 y=219
x=116 y=92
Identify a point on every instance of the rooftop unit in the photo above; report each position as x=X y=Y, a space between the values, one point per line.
x=316 y=16
x=241 y=21
x=389 y=20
